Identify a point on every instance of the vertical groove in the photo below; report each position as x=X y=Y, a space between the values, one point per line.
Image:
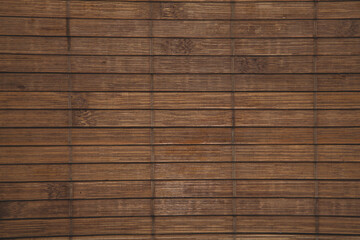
x=68 y=38
x=233 y=152
x=152 y=116
x=316 y=192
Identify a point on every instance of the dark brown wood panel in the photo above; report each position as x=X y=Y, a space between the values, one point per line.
x=339 y=100
x=340 y=10
x=339 y=153
x=338 y=117
x=336 y=64
x=338 y=170
x=339 y=207
x=46 y=8
x=33 y=136
x=339 y=225
x=338 y=46
x=338 y=135
x=34 y=118
x=338 y=28
x=339 y=82
x=339 y=189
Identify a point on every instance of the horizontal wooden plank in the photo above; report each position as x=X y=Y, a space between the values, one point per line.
x=187 y=46
x=126 y=225
x=276 y=224
x=109 y=189
x=192 y=153
x=23 y=136
x=105 y=9
x=34 y=191
x=340 y=153
x=33 y=63
x=34 y=118
x=338 y=117
x=340 y=100
x=274 y=136
x=88 y=154
x=33 y=26
x=338 y=135
x=34 y=100
x=114 y=100
x=335 y=46
x=339 y=207
x=179 y=118
x=342 y=189
x=274 y=46
x=34 y=209
x=341 y=10
x=275 y=188
x=110 y=136
x=192 y=136
x=339 y=225
x=33 y=8
x=338 y=170
x=111 y=207
x=230 y=236
x=114 y=237
x=336 y=64
x=33 y=45
x=277 y=100
x=274 y=170
x=193 y=171
x=33 y=82
x=180 y=100
x=273 y=10
x=109 y=28
x=193 y=224
x=271 y=28
x=194 y=188
x=286 y=153
x=272 y=118
x=17 y=155
x=338 y=28
x=338 y=82
x=98 y=172
x=34 y=227
x=18 y=173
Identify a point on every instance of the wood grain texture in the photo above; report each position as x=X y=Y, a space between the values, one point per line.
x=342 y=189
x=18 y=155
x=339 y=82
x=43 y=173
x=340 y=153
x=33 y=8
x=33 y=136
x=347 y=64
x=33 y=63
x=339 y=207
x=338 y=28
x=340 y=10
x=339 y=100
x=338 y=135
x=338 y=117
x=34 y=118
x=335 y=46
x=31 y=100
x=338 y=170
x=341 y=225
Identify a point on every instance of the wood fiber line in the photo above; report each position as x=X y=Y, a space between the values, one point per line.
x=152 y=123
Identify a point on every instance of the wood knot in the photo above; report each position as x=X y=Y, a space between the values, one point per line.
x=171 y=10
x=57 y=190
x=79 y=101
x=178 y=46
x=83 y=118
x=250 y=65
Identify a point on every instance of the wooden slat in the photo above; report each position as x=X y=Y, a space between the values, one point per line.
x=32 y=228
x=338 y=117
x=89 y=154
x=339 y=225
x=272 y=28
x=18 y=173
x=274 y=170
x=288 y=64
x=338 y=135
x=33 y=8
x=110 y=172
x=105 y=9
x=339 y=82
x=109 y=28
x=114 y=237
x=33 y=82
x=186 y=46
x=192 y=100
x=111 y=207
x=193 y=171
x=279 y=153
x=336 y=46
x=198 y=224
x=33 y=136
x=201 y=11
x=33 y=100
x=194 y=188
x=274 y=46
x=338 y=28
x=341 y=100
x=34 y=191
x=273 y=118
x=17 y=155
x=335 y=64
x=33 y=26
x=34 y=118
x=192 y=153
x=33 y=45
x=339 y=207
x=179 y=118
x=274 y=100
x=33 y=63
x=338 y=170
x=336 y=189
x=34 y=209
x=274 y=136
x=340 y=153
x=110 y=118
x=108 y=189
x=246 y=236
x=192 y=136
x=276 y=224
x=274 y=10
x=275 y=188
x=341 y=10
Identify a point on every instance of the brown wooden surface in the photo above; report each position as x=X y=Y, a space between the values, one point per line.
x=179 y=119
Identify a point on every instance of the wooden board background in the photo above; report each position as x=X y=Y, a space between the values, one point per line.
x=180 y=119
